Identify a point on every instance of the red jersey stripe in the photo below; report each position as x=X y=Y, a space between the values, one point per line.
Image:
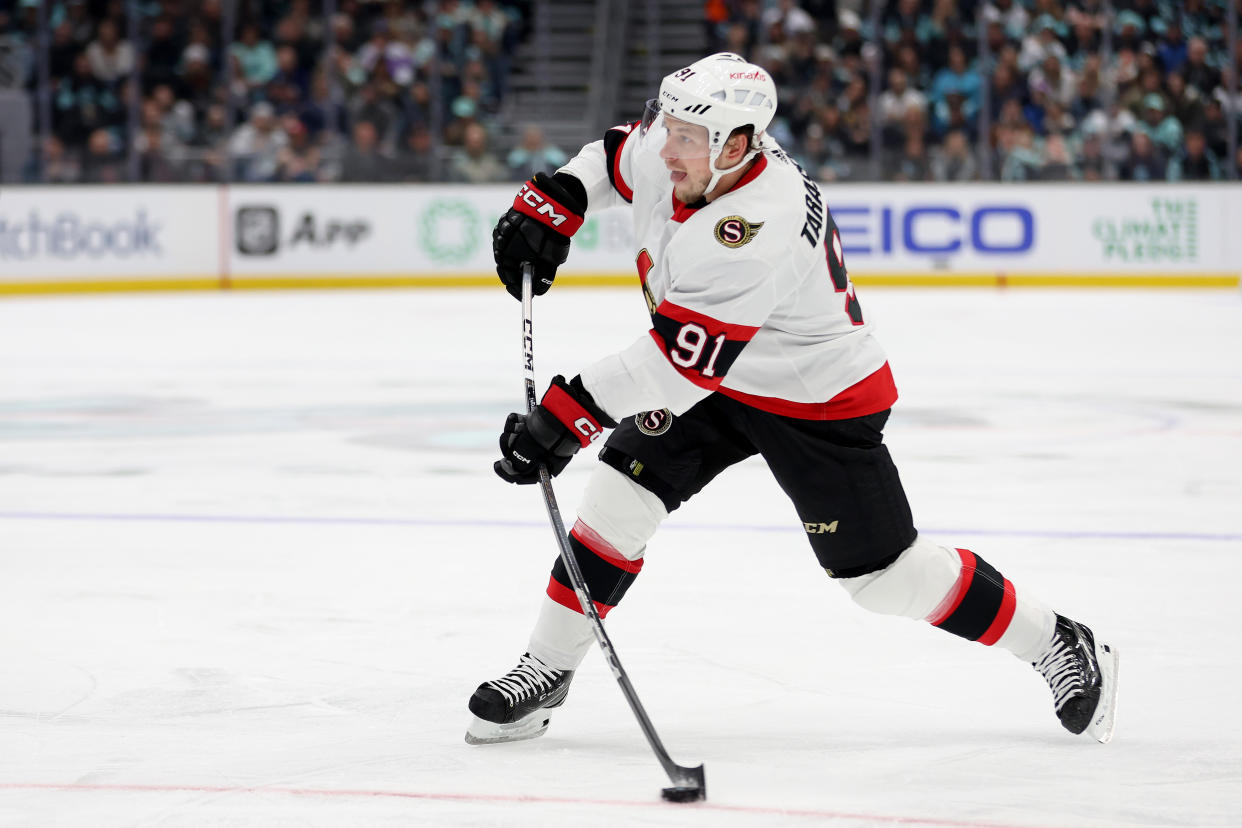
x=875 y=392
x=713 y=326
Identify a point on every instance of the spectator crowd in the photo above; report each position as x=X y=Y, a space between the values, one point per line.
x=411 y=90
x=382 y=90
x=1054 y=90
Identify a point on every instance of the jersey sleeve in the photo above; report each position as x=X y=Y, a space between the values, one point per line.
x=605 y=168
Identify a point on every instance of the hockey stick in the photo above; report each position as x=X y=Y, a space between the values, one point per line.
x=689 y=784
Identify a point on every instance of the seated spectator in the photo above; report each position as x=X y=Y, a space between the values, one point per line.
x=255 y=145
x=1006 y=87
x=1057 y=164
x=1164 y=130
x=1009 y=13
x=1091 y=161
x=1022 y=161
x=1197 y=71
x=371 y=105
x=208 y=149
x=255 y=56
x=161 y=53
x=1146 y=162
x=391 y=53
x=898 y=98
x=911 y=164
x=364 y=159
x=1055 y=80
x=957 y=78
x=1230 y=104
x=534 y=154
x=1041 y=43
x=953 y=116
x=103 y=162
x=417 y=161
x=1185 y=103
x=1172 y=50
x=195 y=82
x=1215 y=127
x=1194 y=162
x=473 y=162
x=156 y=162
x=111 y=58
x=953 y=160
x=299 y=161
x=1113 y=126
x=58 y=165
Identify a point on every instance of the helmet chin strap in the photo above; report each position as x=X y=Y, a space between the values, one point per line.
x=717 y=174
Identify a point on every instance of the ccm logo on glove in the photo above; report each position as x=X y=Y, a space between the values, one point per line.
x=533 y=203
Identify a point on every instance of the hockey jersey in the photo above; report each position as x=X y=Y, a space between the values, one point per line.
x=748 y=294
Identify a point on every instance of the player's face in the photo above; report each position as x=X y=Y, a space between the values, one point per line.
x=686 y=156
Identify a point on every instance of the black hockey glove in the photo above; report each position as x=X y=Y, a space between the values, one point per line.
x=566 y=420
x=545 y=213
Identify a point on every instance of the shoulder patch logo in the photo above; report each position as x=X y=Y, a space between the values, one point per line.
x=654 y=423
x=735 y=231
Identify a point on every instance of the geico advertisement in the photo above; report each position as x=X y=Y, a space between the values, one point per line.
x=989 y=228
x=115 y=232
x=392 y=230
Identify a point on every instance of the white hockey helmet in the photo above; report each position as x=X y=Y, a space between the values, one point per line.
x=721 y=93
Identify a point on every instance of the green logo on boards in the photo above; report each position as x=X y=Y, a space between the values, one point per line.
x=1167 y=232
x=449 y=230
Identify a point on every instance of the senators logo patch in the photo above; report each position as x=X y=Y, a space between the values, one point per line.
x=654 y=423
x=735 y=231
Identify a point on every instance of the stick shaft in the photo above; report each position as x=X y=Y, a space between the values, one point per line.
x=679 y=775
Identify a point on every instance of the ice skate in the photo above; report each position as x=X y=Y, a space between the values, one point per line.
x=1083 y=678
x=516 y=706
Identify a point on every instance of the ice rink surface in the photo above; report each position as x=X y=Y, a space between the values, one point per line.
x=253 y=561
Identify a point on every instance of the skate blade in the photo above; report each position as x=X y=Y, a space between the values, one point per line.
x=1105 y=719
x=482 y=732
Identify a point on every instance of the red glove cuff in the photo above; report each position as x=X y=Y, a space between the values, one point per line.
x=576 y=419
x=533 y=202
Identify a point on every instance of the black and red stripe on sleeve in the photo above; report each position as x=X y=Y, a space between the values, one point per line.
x=701 y=348
x=614 y=141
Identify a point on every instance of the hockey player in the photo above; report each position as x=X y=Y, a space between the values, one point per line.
x=758 y=345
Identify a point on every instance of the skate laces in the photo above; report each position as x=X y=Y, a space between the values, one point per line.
x=529 y=677
x=1062 y=666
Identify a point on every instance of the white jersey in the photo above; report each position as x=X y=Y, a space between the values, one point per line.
x=748 y=294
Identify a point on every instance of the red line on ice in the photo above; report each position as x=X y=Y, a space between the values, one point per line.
x=811 y=813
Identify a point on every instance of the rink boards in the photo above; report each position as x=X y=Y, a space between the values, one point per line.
x=65 y=239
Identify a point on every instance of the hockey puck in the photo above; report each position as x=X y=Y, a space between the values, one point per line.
x=683 y=793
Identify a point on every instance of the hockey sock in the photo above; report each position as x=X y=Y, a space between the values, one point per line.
x=985 y=606
x=606 y=572
x=959 y=592
x=562 y=635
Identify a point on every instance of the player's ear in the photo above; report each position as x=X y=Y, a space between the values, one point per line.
x=737 y=145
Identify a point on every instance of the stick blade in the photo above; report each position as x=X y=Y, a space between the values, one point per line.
x=691 y=785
